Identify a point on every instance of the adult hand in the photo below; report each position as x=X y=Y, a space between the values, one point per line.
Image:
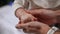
x=34 y=27
x=43 y=15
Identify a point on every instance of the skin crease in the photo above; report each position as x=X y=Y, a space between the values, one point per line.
x=45 y=16
x=23 y=16
x=58 y=15
x=42 y=13
x=56 y=12
x=34 y=27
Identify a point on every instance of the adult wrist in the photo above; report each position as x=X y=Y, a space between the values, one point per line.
x=52 y=30
x=57 y=32
x=47 y=29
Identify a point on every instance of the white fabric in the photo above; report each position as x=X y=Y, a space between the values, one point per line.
x=8 y=21
x=18 y=4
x=47 y=3
x=40 y=3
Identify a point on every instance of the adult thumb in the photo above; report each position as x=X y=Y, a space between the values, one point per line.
x=21 y=26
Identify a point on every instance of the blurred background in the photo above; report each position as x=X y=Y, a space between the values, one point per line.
x=5 y=2
x=8 y=20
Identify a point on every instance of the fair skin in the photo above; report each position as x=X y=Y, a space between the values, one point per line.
x=45 y=14
x=57 y=32
x=24 y=16
x=54 y=14
x=36 y=27
x=32 y=15
x=30 y=18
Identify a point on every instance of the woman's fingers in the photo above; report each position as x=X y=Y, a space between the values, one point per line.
x=30 y=30
x=32 y=24
x=21 y=26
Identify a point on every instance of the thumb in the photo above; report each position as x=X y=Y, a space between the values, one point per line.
x=21 y=26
